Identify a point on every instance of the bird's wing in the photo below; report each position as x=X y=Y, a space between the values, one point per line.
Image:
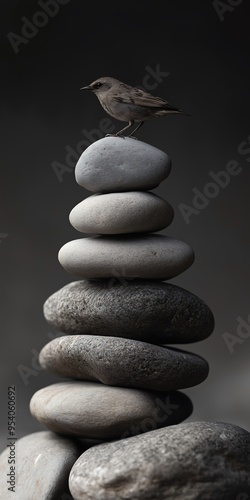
x=139 y=98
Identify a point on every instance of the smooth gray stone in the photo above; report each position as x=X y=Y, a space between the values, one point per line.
x=117 y=213
x=191 y=461
x=42 y=465
x=150 y=311
x=123 y=362
x=150 y=256
x=96 y=411
x=121 y=164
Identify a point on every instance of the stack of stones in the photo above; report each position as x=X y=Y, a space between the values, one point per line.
x=123 y=382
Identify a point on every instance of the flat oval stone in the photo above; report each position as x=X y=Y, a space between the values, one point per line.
x=123 y=362
x=121 y=164
x=191 y=461
x=42 y=465
x=151 y=256
x=92 y=410
x=117 y=213
x=150 y=311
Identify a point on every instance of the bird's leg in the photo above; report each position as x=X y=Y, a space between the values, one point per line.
x=137 y=128
x=125 y=128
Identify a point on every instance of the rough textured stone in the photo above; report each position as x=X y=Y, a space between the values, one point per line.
x=123 y=362
x=92 y=410
x=192 y=461
x=150 y=256
x=150 y=311
x=42 y=467
x=117 y=213
x=121 y=164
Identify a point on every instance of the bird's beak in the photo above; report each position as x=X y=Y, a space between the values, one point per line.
x=88 y=87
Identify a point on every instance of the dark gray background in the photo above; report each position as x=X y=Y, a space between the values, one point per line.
x=43 y=111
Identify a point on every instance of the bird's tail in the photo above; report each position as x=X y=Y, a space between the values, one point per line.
x=168 y=109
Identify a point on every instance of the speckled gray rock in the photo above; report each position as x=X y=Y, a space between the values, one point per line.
x=123 y=362
x=117 y=164
x=191 y=461
x=117 y=213
x=151 y=256
x=42 y=467
x=92 y=410
x=151 y=311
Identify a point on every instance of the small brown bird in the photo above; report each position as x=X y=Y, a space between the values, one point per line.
x=129 y=104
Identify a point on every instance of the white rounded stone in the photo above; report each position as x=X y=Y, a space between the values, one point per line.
x=147 y=256
x=96 y=411
x=117 y=213
x=121 y=164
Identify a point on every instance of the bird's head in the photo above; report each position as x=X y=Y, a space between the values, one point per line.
x=101 y=85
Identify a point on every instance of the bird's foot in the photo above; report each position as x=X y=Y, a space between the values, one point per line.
x=115 y=135
x=122 y=136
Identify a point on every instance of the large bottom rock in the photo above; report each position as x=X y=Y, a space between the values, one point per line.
x=40 y=468
x=192 y=461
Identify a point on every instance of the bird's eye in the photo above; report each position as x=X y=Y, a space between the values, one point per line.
x=98 y=85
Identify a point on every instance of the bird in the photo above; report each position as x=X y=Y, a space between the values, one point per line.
x=129 y=104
